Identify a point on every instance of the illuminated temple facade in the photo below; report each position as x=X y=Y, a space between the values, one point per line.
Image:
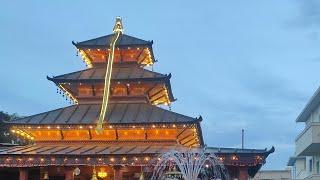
x=139 y=125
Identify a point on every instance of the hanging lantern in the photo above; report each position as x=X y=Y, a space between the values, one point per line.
x=76 y=171
x=46 y=175
x=94 y=175
x=102 y=173
x=141 y=176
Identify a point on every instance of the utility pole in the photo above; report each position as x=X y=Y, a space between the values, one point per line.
x=242 y=138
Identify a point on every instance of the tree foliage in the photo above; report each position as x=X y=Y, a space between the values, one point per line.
x=5 y=135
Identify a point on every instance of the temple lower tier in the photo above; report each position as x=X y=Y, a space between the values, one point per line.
x=110 y=161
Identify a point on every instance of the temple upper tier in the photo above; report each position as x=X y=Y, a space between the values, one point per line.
x=128 y=50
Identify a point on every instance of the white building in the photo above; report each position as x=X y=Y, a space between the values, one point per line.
x=306 y=163
x=273 y=175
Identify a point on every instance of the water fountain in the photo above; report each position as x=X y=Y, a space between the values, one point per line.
x=189 y=164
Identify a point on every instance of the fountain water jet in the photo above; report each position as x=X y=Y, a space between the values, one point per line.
x=192 y=164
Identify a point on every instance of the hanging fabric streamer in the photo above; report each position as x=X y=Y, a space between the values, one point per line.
x=117 y=30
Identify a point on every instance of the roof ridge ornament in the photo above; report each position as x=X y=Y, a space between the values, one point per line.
x=118 y=27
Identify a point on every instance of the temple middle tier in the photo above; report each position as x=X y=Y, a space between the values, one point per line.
x=129 y=83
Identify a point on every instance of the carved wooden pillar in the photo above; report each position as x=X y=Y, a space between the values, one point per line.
x=23 y=174
x=117 y=173
x=243 y=173
x=68 y=173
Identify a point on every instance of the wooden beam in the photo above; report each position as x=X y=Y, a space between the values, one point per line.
x=195 y=142
x=121 y=58
x=140 y=55
x=148 y=91
x=117 y=136
x=187 y=142
x=128 y=90
x=187 y=136
x=158 y=98
x=93 y=90
x=62 y=136
x=90 y=135
x=156 y=93
x=183 y=130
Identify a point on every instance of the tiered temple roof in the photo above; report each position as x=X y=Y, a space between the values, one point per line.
x=129 y=49
x=136 y=128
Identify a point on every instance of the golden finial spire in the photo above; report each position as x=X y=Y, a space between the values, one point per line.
x=118 y=25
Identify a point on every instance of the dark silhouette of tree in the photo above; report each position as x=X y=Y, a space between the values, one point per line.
x=5 y=135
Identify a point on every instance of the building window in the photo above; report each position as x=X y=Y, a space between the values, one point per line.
x=310 y=165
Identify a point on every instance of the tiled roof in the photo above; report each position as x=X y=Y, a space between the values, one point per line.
x=104 y=41
x=238 y=150
x=117 y=113
x=85 y=149
x=128 y=72
x=110 y=149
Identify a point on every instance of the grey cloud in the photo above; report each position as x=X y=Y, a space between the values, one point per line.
x=308 y=15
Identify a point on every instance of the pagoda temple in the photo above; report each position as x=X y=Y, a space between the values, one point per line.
x=138 y=125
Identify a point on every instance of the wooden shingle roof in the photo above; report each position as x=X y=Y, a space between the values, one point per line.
x=117 y=113
x=119 y=73
x=104 y=41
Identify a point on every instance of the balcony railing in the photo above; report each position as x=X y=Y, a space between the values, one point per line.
x=308 y=141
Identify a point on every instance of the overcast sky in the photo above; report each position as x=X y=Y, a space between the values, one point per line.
x=249 y=65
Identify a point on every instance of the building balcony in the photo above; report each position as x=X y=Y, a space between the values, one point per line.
x=313 y=177
x=308 y=142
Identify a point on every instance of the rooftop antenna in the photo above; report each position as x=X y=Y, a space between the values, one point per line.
x=242 y=138
x=117 y=30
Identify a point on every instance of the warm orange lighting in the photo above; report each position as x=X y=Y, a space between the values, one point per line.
x=234 y=158
x=102 y=174
x=124 y=158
